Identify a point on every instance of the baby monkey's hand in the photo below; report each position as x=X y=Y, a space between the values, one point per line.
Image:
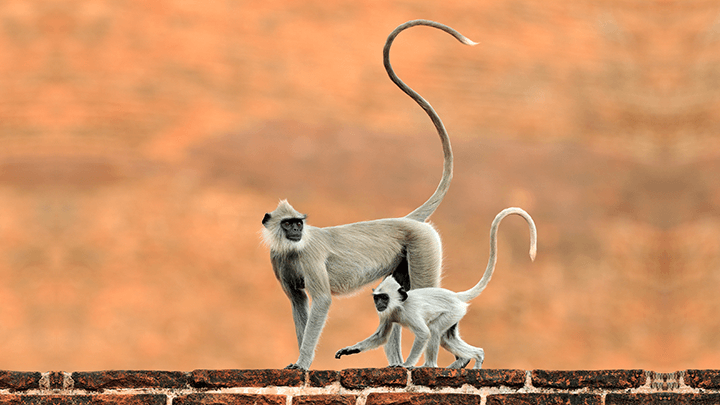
x=346 y=351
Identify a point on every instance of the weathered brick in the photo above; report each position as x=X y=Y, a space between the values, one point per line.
x=545 y=399
x=324 y=400
x=247 y=378
x=588 y=378
x=12 y=399
x=322 y=378
x=663 y=398
x=664 y=381
x=707 y=379
x=127 y=399
x=437 y=377
x=445 y=377
x=408 y=398
x=359 y=378
x=56 y=380
x=495 y=378
x=19 y=381
x=141 y=399
x=230 y=399
x=100 y=380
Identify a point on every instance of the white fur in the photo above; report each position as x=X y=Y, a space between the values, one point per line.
x=432 y=314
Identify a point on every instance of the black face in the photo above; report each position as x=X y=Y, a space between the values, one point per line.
x=293 y=228
x=381 y=301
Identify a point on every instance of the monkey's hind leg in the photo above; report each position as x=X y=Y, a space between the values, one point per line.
x=463 y=352
x=447 y=342
x=459 y=363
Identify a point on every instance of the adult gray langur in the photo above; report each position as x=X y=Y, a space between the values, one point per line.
x=341 y=259
x=432 y=314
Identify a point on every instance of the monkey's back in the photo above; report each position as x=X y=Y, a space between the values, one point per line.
x=436 y=304
x=362 y=252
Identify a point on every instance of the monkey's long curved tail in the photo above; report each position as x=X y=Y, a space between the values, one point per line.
x=424 y=211
x=480 y=286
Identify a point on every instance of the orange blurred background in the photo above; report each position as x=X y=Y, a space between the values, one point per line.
x=142 y=142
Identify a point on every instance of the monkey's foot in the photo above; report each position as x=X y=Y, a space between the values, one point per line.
x=293 y=367
x=460 y=363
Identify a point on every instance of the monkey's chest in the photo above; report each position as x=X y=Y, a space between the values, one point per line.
x=287 y=271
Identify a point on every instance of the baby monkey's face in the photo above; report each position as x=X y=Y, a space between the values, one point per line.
x=381 y=301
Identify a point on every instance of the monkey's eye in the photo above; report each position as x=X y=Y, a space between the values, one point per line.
x=286 y=225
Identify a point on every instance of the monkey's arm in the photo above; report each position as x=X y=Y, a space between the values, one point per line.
x=299 y=301
x=294 y=288
x=375 y=340
x=317 y=285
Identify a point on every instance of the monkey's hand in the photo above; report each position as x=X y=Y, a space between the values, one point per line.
x=346 y=351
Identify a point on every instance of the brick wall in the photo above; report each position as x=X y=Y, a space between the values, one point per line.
x=361 y=386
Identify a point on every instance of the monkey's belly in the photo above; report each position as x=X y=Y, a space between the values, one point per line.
x=346 y=278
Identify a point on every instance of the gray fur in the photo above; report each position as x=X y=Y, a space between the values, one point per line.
x=424 y=211
x=341 y=259
x=432 y=314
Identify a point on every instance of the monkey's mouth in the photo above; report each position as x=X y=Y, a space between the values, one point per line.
x=294 y=238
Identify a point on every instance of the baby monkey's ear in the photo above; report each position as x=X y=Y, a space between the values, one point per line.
x=402 y=293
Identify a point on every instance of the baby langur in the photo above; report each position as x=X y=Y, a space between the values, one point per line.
x=336 y=260
x=432 y=314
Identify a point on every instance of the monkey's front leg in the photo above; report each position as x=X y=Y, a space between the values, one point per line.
x=393 y=348
x=299 y=301
x=376 y=339
x=319 y=309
